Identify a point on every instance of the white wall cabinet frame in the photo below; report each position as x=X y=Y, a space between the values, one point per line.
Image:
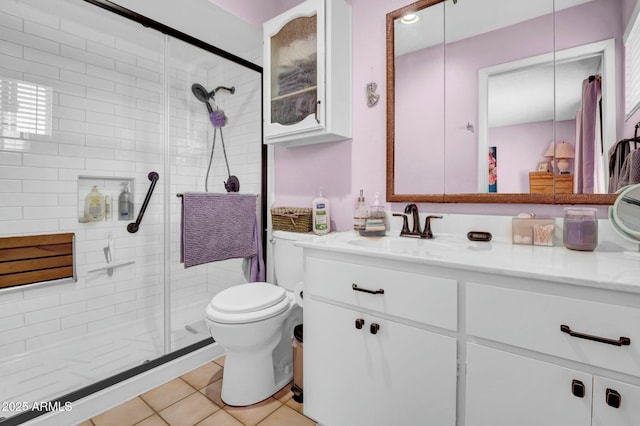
x=301 y=108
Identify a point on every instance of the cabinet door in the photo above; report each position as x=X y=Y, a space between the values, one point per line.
x=504 y=389
x=615 y=403
x=399 y=375
x=294 y=70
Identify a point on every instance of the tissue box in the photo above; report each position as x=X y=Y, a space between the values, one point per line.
x=532 y=231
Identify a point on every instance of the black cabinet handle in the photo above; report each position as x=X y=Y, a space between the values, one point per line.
x=622 y=341
x=612 y=398
x=364 y=290
x=577 y=388
x=359 y=323
x=374 y=328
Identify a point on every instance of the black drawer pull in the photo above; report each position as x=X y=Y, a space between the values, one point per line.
x=364 y=290
x=622 y=341
x=374 y=328
x=359 y=323
x=577 y=388
x=613 y=398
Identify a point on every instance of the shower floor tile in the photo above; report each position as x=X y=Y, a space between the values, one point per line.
x=194 y=399
x=67 y=366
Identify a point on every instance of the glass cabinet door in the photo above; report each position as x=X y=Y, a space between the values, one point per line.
x=307 y=74
x=294 y=71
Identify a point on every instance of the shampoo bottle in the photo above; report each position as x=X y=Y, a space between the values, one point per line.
x=125 y=204
x=321 y=220
x=94 y=205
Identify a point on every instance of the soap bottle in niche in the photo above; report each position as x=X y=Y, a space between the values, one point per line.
x=94 y=205
x=125 y=203
x=320 y=216
x=360 y=213
x=107 y=208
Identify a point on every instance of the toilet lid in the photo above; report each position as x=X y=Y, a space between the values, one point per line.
x=249 y=297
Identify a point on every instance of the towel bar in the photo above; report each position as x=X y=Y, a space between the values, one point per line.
x=179 y=195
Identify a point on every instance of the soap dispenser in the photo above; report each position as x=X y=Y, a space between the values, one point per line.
x=125 y=203
x=360 y=213
x=94 y=205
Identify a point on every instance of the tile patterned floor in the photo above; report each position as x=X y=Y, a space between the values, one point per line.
x=194 y=399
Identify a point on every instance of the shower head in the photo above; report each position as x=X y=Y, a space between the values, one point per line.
x=200 y=92
x=202 y=95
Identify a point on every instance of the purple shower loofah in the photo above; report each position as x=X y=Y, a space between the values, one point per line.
x=218 y=119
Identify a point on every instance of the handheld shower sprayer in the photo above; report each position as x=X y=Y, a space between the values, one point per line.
x=218 y=120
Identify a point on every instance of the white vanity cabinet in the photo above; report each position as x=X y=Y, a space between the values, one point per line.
x=504 y=389
x=307 y=74
x=376 y=349
x=570 y=347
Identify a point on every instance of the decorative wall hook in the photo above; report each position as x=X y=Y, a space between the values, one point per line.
x=372 y=96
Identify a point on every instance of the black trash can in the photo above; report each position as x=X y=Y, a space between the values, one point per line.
x=297 y=363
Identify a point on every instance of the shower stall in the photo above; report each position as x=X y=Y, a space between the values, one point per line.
x=120 y=107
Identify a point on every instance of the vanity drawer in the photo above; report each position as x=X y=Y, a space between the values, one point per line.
x=534 y=321
x=416 y=297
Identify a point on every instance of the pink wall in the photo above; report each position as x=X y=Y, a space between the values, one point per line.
x=360 y=162
x=341 y=169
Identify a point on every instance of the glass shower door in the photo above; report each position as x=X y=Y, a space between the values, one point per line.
x=107 y=78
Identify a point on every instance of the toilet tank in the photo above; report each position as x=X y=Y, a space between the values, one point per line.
x=287 y=259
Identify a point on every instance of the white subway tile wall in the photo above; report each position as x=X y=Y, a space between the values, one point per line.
x=109 y=120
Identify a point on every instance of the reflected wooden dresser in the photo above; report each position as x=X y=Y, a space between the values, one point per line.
x=542 y=183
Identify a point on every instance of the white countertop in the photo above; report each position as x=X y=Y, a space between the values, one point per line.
x=610 y=266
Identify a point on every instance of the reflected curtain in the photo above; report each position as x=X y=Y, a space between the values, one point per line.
x=589 y=166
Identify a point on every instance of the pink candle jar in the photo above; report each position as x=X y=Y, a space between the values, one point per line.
x=580 y=229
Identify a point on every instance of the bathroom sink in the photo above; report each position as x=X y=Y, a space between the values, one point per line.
x=416 y=246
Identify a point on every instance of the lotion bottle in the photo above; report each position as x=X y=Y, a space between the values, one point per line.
x=94 y=205
x=321 y=219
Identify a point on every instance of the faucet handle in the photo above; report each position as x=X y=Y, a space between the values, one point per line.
x=427 y=226
x=405 y=223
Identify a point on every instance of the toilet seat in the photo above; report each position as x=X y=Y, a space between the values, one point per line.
x=248 y=303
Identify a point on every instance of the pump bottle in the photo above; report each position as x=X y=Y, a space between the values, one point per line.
x=320 y=216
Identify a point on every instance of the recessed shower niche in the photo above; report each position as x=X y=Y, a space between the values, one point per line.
x=99 y=198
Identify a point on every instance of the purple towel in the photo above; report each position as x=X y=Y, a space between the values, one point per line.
x=217 y=227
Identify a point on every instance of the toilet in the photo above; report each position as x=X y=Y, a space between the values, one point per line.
x=254 y=323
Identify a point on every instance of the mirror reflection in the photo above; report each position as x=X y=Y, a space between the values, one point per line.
x=515 y=116
x=627 y=211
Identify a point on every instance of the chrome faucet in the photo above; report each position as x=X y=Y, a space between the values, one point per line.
x=412 y=209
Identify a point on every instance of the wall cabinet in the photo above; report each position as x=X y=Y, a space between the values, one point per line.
x=307 y=74
x=365 y=362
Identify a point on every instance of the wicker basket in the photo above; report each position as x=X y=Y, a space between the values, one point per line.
x=295 y=219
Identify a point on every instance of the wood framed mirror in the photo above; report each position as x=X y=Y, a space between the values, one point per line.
x=511 y=81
